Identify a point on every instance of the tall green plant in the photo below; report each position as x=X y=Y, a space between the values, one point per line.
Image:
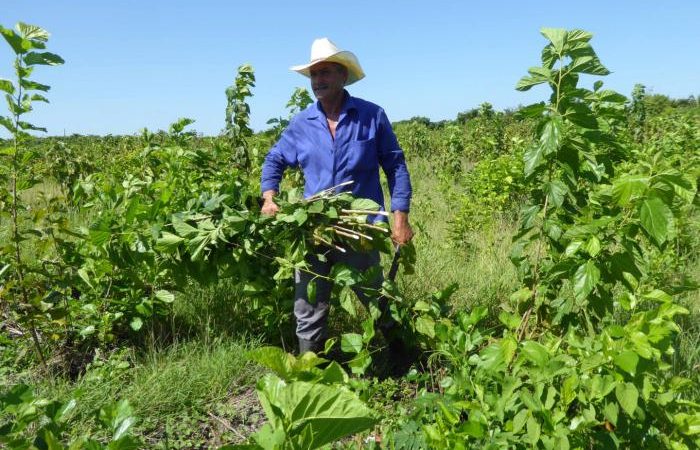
x=21 y=94
x=238 y=115
x=583 y=357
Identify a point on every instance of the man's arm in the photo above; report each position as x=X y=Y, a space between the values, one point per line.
x=269 y=206
x=401 y=232
x=393 y=163
x=281 y=156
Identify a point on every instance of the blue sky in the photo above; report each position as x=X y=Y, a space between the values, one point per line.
x=144 y=63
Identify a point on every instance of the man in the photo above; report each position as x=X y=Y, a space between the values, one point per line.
x=338 y=139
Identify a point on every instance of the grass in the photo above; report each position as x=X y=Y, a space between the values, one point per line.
x=481 y=267
x=183 y=383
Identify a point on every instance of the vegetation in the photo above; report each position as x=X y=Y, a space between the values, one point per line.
x=550 y=288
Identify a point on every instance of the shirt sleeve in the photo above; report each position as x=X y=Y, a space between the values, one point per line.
x=392 y=160
x=282 y=155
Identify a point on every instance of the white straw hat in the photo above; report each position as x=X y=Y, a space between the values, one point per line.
x=324 y=49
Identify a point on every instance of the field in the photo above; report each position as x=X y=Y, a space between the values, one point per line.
x=550 y=291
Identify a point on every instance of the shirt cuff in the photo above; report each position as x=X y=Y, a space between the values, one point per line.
x=400 y=204
x=269 y=186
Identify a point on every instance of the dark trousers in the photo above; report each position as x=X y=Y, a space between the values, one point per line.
x=312 y=316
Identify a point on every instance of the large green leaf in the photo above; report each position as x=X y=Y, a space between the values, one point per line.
x=33 y=32
x=556 y=191
x=425 y=325
x=498 y=355
x=586 y=278
x=577 y=36
x=629 y=186
x=18 y=44
x=535 y=352
x=538 y=75
x=7 y=86
x=627 y=361
x=364 y=204
x=557 y=36
x=33 y=85
x=533 y=158
x=534 y=110
x=314 y=415
x=628 y=396
x=351 y=342
x=42 y=58
x=282 y=363
x=549 y=139
x=656 y=218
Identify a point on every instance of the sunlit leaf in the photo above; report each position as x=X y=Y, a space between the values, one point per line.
x=656 y=218
x=585 y=279
x=42 y=58
x=627 y=395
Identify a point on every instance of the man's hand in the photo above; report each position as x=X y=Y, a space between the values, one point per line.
x=401 y=231
x=269 y=207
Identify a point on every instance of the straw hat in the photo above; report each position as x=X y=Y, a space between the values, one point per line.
x=324 y=49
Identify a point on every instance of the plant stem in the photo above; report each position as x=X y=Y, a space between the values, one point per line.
x=15 y=221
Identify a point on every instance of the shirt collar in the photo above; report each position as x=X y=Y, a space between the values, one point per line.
x=348 y=105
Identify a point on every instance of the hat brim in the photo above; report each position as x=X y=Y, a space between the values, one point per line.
x=347 y=59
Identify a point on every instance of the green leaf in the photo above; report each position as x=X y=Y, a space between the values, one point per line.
x=38 y=98
x=533 y=158
x=351 y=342
x=347 y=301
x=535 y=352
x=549 y=139
x=136 y=323
x=568 y=390
x=8 y=124
x=557 y=36
x=33 y=32
x=327 y=413
x=656 y=218
x=182 y=228
x=29 y=126
x=556 y=190
x=538 y=75
x=19 y=45
x=627 y=361
x=43 y=58
x=519 y=421
x=627 y=395
x=300 y=215
x=364 y=204
x=688 y=424
x=268 y=438
x=7 y=86
x=359 y=364
x=658 y=295
x=586 y=278
x=168 y=241
x=425 y=325
x=593 y=246
x=530 y=111
x=533 y=430
x=33 y=85
x=577 y=36
x=581 y=115
x=510 y=320
x=627 y=187
x=611 y=412
x=498 y=355
x=165 y=296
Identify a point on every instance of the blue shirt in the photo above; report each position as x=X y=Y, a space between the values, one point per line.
x=364 y=141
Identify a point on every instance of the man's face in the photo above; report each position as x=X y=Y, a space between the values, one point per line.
x=327 y=80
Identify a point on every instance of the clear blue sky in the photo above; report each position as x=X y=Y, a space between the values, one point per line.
x=144 y=63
